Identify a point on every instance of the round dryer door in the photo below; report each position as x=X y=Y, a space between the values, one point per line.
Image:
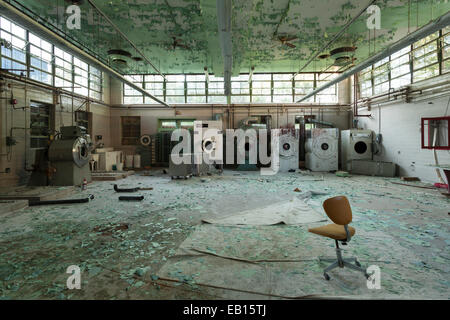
x=361 y=147
x=288 y=146
x=208 y=145
x=324 y=147
x=146 y=140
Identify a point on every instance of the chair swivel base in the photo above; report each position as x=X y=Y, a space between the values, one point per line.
x=351 y=263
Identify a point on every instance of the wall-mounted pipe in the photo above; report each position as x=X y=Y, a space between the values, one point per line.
x=413 y=37
x=42 y=31
x=224 y=8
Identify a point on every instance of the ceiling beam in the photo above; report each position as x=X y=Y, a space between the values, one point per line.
x=124 y=36
x=411 y=38
x=224 y=24
x=336 y=36
x=213 y=55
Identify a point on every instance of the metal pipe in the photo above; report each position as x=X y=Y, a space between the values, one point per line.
x=124 y=36
x=336 y=36
x=68 y=201
x=413 y=37
x=224 y=8
x=47 y=87
x=29 y=23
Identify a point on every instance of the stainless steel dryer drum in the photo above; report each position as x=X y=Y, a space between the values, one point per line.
x=322 y=150
x=70 y=157
x=76 y=150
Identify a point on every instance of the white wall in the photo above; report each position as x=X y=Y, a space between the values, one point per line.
x=400 y=127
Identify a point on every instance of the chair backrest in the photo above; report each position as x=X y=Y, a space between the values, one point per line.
x=338 y=210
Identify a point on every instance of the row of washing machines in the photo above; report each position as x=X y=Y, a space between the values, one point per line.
x=322 y=148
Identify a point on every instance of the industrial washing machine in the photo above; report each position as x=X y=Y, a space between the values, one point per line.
x=355 y=145
x=244 y=147
x=69 y=156
x=208 y=138
x=289 y=143
x=322 y=150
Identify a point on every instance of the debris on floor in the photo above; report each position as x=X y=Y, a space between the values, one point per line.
x=135 y=250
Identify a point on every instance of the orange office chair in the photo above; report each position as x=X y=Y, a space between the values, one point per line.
x=339 y=211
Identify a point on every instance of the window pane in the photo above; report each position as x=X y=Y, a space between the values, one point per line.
x=217 y=99
x=240 y=99
x=426 y=73
x=283 y=98
x=262 y=99
x=196 y=99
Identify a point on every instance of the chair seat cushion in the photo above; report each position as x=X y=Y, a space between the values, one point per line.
x=333 y=231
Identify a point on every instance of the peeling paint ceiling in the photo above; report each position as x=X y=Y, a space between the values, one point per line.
x=181 y=36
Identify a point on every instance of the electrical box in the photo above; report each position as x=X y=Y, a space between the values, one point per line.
x=72 y=132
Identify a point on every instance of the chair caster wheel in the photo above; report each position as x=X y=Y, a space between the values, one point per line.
x=357 y=263
x=327 y=277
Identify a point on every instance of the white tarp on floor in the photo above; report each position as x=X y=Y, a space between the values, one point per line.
x=292 y=212
x=283 y=261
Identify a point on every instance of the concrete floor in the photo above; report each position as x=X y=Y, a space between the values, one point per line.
x=121 y=246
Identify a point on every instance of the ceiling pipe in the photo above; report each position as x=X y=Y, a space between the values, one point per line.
x=413 y=37
x=250 y=76
x=336 y=36
x=205 y=69
x=125 y=37
x=224 y=25
x=44 y=32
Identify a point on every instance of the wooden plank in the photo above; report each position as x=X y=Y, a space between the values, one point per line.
x=412 y=185
x=410 y=179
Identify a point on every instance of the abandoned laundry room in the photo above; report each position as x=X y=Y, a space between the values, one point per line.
x=314 y=138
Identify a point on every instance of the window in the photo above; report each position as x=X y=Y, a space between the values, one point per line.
x=175 y=90
x=95 y=83
x=445 y=44
x=328 y=95
x=131 y=130
x=47 y=63
x=132 y=96
x=81 y=77
x=196 y=88
x=263 y=88
x=282 y=88
x=400 y=68
x=240 y=89
x=216 y=90
x=172 y=124
x=425 y=59
x=63 y=69
x=13 y=58
x=154 y=84
x=40 y=60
